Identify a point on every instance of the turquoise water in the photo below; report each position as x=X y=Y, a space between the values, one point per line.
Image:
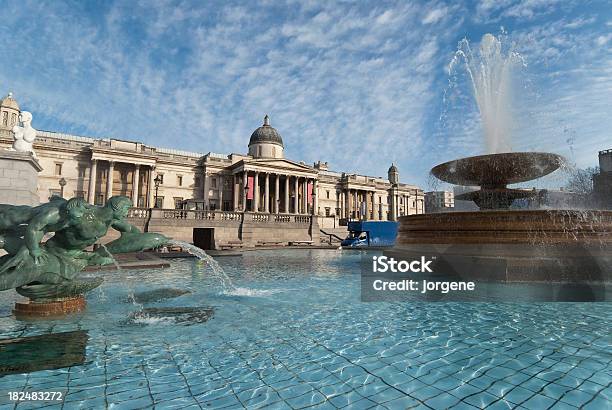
x=294 y=334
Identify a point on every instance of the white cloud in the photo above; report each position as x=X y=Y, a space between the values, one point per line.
x=435 y=15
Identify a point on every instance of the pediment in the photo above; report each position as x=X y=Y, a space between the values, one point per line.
x=277 y=165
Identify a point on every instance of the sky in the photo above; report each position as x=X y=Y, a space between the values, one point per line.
x=356 y=84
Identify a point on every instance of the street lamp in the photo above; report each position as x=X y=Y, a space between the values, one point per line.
x=157 y=181
x=246 y=191
x=312 y=203
x=62 y=184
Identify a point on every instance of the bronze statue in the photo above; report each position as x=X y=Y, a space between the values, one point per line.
x=76 y=225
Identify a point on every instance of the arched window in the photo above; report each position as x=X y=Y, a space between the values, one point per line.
x=274 y=152
x=13 y=119
x=4 y=118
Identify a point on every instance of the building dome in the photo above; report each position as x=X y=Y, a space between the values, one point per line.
x=266 y=133
x=9 y=112
x=9 y=102
x=266 y=142
x=393 y=174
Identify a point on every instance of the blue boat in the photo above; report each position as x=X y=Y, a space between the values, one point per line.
x=371 y=234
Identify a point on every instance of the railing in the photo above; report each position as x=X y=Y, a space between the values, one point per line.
x=260 y=217
x=185 y=214
x=138 y=213
x=217 y=215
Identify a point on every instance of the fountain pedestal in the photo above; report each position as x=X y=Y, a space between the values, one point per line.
x=501 y=245
x=49 y=308
x=54 y=300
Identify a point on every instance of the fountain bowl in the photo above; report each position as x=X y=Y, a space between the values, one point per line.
x=498 y=170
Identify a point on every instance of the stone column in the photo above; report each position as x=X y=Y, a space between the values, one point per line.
x=374 y=210
x=91 y=194
x=315 y=202
x=244 y=193
x=206 y=190
x=267 y=194
x=305 y=196
x=109 y=179
x=286 y=205
x=296 y=203
x=346 y=204
x=341 y=204
x=366 y=208
x=220 y=192
x=276 y=194
x=256 y=197
x=150 y=188
x=356 y=201
x=397 y=206
x=235 y=186
x=135 y=185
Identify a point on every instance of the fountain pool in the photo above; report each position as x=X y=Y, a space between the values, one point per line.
x=305 y=339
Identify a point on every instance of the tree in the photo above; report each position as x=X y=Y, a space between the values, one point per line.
x=580 y=181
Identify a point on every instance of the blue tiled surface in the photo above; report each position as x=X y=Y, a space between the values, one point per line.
x=295 y=335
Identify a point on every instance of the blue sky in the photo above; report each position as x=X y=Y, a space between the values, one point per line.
x=356 y=84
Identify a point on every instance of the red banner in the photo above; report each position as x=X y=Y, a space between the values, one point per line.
x=251 y=186
x=309 y=189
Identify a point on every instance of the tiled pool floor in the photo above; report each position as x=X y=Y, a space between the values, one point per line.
x=304 y=340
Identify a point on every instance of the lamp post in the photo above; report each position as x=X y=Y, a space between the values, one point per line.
x=62 y=184
x=312 y=201
x=246 y=191
x=156 y=181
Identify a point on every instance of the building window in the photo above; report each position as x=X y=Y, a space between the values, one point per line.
x=259 y=151
x=213 y=182
x=58 y=169
x=179 y=180
x=79 y=194
x=227 y=206
x=99 y=199
x=4 y=118
x=327 y=194
x=197 y=181
x=178 y=203
x=274 y=152
x=327 y=210
x=13 y=119
x=141 y=201
x=159 y=202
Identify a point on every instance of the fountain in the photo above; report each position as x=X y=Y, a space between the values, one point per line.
x=495 y=243
x=47 y=272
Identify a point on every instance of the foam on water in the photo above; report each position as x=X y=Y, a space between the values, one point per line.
x=252 y=292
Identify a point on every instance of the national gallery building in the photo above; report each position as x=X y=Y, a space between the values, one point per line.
x=262 y=180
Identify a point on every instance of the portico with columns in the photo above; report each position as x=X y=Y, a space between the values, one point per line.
x=274 y=186
x=111 y=175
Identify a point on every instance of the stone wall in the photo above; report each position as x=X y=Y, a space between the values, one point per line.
x=248 y=229
x=18 y=178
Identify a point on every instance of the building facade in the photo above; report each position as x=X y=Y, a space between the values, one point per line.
x=262 y=181
x=439 y=201
x=602 y=182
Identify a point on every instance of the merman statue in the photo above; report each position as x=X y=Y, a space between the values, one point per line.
x=76 y=225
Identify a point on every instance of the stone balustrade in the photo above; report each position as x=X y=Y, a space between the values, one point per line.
x=217 y=216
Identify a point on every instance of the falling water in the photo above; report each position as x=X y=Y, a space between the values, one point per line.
x=490 y=70
x=110 y=255
x=199 y=253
